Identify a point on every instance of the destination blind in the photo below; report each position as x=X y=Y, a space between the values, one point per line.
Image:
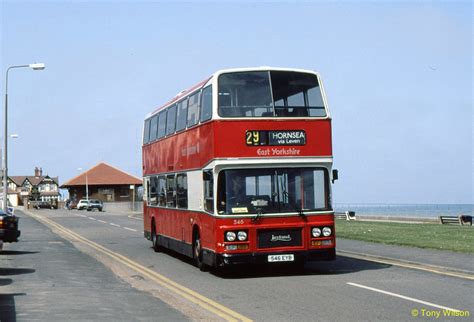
x=285 y=137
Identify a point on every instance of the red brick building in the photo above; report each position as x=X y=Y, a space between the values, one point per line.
x=104 y=182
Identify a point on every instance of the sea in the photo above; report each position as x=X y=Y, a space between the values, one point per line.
x=407 y=210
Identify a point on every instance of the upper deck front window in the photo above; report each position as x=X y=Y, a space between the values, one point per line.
x=270 y=94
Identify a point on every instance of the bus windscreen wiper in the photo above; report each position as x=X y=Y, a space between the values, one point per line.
x=300 y=212
x=286 y=197
x=258 y=215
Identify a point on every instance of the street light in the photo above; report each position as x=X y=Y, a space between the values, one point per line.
x=36 y=66
x=87 y=186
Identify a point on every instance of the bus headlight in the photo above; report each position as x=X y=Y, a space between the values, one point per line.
x=327 y=231
x=230 y=236
x=316 y=232
x=242 y=235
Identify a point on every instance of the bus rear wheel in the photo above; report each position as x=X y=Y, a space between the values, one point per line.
x=197 y=252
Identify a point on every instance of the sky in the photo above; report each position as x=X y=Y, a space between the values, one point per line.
x=398 y=77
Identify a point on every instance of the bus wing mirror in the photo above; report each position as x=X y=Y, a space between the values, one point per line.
x=335 y=175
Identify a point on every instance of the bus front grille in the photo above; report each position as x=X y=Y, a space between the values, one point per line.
x=271 y=238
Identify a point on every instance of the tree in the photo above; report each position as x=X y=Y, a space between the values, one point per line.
x=35 y=194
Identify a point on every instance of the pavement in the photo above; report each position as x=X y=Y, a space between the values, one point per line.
x=45 y=278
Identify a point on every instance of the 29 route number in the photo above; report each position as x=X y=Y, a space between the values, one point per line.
x=252 y=137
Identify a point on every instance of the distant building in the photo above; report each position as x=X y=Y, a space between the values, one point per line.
x=20 y=188
x=106 y=183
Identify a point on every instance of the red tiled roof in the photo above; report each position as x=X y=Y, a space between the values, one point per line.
x=103 y=174
x=18 y=180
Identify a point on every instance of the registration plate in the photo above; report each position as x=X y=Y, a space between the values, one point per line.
x=281 y=258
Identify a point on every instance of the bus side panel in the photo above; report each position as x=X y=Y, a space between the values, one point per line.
x=207 y=226
x=175 y=229
x=180 y=152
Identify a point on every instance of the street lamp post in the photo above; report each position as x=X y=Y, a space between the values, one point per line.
x=38 y=66
x=87 y=186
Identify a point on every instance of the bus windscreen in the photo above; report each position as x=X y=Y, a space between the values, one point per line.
x=266 y=191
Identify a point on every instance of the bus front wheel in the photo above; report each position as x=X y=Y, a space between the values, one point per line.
x=197 y=252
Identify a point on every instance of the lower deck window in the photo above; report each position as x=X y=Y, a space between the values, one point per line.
x=182 y=191
x=168 y=191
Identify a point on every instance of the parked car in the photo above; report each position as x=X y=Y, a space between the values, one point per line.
x=82 y=204
x=42 y=204
x=95 y=204
x=9 y=232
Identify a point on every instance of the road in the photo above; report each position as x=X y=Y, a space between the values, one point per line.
x=347 y=289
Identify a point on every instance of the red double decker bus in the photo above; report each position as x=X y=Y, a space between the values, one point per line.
x=238 y=169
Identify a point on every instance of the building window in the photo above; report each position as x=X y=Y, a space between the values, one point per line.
x=108 y=193
x=124 y=192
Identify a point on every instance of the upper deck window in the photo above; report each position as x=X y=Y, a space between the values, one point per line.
x=193 y=109
x=146 y=132
x=171 y=120
x=182 y=115
x=161 y=124
x=245 y=94
x=206 y=104
x=153 y=127
x=270 y=94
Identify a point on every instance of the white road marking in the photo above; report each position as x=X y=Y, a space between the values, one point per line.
x=91 y=218
x=82 y=216
x=104 y=222
x=129 y=229
x=115 y=225
x=404 y=297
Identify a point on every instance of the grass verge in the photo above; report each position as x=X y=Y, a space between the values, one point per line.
x=446 y=237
